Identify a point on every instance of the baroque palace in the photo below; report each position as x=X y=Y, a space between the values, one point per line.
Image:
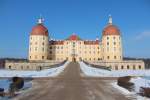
x=42 y=47
x=106 y=51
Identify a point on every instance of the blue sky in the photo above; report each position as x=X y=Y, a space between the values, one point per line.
x=86 y=18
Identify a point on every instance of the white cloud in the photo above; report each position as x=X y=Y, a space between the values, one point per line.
x=143 y=35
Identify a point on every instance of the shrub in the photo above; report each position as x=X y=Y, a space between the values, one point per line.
x=17 y=83
x=145 y=91
x=1 y=92
x=125 y=82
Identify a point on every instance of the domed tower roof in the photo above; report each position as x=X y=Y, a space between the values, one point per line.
x=111 y=29
x=39 y=29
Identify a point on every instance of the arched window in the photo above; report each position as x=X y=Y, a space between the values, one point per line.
x=139 y=66
x=128 y=67
x=9 y=67
x=134 y=67
x=42 y=57
x=107 y=57
x=122 y=67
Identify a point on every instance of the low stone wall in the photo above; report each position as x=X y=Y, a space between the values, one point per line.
x=122 y=65
x=25 y=65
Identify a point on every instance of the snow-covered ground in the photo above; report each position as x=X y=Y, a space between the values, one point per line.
x=43 y=73
x=96 y=72
x=138 y=82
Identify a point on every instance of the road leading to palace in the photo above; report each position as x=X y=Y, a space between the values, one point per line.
x=70 y=85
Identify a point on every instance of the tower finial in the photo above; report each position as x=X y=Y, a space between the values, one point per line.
x=110 y=19
x=40 y=20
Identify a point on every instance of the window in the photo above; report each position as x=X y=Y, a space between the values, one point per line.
x=134 y=67
x=30 y=43
x=128 y=67
x=62 y=47
x=43 y=43
x=42 y=57
x=30 y=49
x=42 y=49
x=122 y=67
x=43 y=38
x=35 y=43
x=9 y=67
x=115 y=57
x=50 y=47
x=114 y=43
x=139 y=66
x=27 y=67
x=107 y=57
x=107 y=43
x=107 y=38
x=30 y=57
x=21 y=67
x=50 y=52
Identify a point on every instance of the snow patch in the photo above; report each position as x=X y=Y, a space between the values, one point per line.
x=97 y=72
x=121 y=89
x=140 y=82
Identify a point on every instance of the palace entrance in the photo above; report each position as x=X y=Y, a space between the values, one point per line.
x=73 y=59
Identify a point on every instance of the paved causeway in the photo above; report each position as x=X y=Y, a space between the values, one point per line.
x=72 y=85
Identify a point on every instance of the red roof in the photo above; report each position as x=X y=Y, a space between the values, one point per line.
x=74 y=37
x=39 y=29
x=111 y=30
